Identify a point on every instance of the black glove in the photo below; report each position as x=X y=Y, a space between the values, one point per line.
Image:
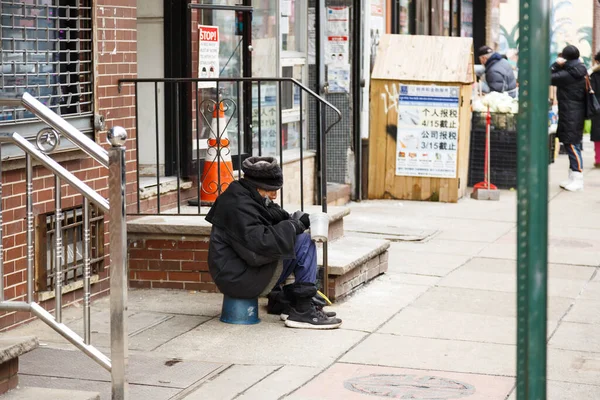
x=305 y=219
x=299 y=226
x=302 y=217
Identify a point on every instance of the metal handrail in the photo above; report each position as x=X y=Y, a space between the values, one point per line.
x=117 y=364
x=321 y=135
x=243 y=79
x=56 y=168
x=54 y=120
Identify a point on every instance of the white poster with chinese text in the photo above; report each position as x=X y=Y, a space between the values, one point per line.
x=264 y=120
x=427 y=138
x=208 y=54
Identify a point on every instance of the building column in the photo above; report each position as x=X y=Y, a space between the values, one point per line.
x=596 y=28
x=492 y=23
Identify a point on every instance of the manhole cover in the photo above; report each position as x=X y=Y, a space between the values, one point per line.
x=409 y=387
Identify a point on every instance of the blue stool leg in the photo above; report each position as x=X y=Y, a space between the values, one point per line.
x=239 y=311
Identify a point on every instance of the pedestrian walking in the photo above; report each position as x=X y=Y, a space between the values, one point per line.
x=569 y=76
x=595 y=132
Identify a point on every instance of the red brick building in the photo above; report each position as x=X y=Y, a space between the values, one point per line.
x=70 y=55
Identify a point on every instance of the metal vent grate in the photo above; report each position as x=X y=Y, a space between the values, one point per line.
x=47 y=51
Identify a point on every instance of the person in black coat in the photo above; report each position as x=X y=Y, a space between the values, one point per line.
x=595 y=134
x=568 y=75
x=255 y=245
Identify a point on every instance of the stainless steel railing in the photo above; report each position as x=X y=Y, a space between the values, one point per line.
x=59 y=124
x=114 y=160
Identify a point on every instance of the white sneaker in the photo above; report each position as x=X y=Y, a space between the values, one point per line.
x=563 y=184
x=576 y=184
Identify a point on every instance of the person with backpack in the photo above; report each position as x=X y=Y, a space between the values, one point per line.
x=569 y=76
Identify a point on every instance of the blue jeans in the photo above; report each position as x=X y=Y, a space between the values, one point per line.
x=304 y=266
x=575 y=160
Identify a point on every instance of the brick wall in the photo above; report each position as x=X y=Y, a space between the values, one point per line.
x=115 y=58
x=9 y=378
x=169 y=262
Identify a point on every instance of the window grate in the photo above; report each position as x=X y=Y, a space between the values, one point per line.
x=47 y=51
x=72 y=249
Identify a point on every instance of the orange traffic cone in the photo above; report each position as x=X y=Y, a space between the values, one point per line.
x=218 y=168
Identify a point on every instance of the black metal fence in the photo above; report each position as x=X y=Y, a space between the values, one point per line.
x=194 y=134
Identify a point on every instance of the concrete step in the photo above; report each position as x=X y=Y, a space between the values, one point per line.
x=48 y=394
x=11 y=348
x=338 y=194
x=186 y=225
x=354 y=261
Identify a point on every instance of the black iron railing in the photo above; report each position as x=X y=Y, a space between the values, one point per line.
x=210 y=126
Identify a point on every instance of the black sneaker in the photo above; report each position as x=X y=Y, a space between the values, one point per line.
x=311 y=319
x=284 y=315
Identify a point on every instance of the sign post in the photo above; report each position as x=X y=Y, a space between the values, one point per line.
x=532 y=211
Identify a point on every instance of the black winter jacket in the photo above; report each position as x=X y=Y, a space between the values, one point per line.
x=595 y=81
x=499 y=75
x=245 y=244
x=571 y=95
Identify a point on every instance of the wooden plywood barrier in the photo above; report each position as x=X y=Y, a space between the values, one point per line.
x=412 y=63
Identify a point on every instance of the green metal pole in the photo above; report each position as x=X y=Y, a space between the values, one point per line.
x=532 y=175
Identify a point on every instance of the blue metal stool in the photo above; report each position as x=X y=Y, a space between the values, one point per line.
x=239 y=311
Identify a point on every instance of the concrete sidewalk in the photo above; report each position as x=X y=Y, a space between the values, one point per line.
x=441 y=324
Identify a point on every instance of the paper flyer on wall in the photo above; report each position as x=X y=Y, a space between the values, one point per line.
x=312 y=34
x=427 y=138
x=208 y=54
x=338 y=77
x=337 y=50
x=338 y=20
x=265 y=127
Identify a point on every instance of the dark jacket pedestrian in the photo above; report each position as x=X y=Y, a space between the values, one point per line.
x=255 y=246
x=499 y=74
x=569 y=76
x=595 y=133
x=246 y=241
x=569 y=79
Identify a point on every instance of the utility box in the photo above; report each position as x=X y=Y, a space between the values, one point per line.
x=421 y=89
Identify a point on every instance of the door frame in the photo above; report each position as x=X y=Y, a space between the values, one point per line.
x=178 y=64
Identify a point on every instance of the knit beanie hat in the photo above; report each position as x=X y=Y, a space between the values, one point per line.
x=264 y=172
x=484 y=50
x=570 y=52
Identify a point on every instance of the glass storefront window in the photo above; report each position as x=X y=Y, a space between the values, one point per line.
x=405 y=22
x=466 y=19
x=423 y=17
x=455 y=18
x=447 y=18
x=293 y=25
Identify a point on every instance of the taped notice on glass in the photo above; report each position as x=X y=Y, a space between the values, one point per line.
x=338 y=77
x=208 y=54
x=336 y=50
x=338 y=20
x=427 y=138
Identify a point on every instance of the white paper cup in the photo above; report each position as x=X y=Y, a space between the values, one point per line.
x=319 y=226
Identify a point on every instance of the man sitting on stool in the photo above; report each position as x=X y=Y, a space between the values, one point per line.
x=255 y=246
